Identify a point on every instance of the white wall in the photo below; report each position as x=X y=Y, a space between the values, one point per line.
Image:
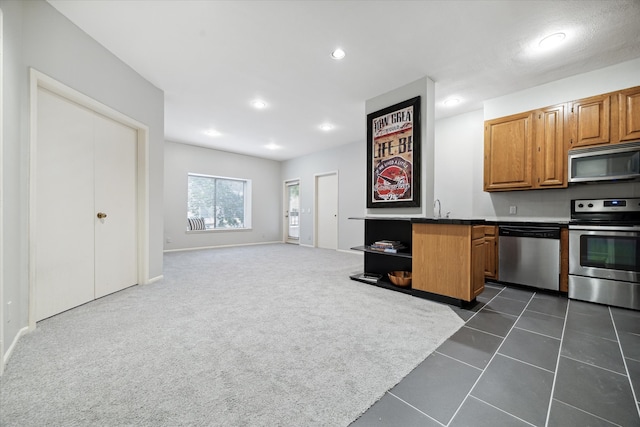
x=553 y=204
x=458 y=173
x=36 y=35
x=608 y=79
x=350 y=163
x=14 y=157
x=181 y=159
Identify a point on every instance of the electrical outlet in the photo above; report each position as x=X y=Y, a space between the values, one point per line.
x=169 y=240
x=513 y=210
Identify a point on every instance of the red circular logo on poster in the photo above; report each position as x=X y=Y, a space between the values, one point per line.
x=392 y=179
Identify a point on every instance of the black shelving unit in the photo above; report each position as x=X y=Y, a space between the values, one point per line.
x=381 y=263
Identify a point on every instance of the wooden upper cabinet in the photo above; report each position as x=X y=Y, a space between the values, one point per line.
x=508 y=145
x=629 y=114
x=591 y=121
x=551 y=150
x=529 y=150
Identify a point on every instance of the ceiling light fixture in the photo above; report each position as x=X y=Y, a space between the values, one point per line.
x=451 y=102
x=338 y=54
x=259 y=104
x=272 y=146
x=212 y=133
x=326 y=127
x=552 y=40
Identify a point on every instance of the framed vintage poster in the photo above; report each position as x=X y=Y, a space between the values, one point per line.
x=393 y=156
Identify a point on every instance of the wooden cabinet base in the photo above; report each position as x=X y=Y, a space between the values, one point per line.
x=448 y=260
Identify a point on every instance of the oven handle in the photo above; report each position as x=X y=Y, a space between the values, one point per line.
x=630 y=228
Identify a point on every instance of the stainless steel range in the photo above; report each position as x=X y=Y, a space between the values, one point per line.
x=604 y=251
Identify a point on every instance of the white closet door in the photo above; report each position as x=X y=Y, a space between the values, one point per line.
x=116 y=248
x=64 y=206
x=327 y=210
x=85 y=164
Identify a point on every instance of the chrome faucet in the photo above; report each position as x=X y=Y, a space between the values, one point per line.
x=439 y=214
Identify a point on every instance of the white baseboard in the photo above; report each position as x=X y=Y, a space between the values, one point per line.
x=221 y=246
x=155 y=279
x=7 y=355
x=351 y=251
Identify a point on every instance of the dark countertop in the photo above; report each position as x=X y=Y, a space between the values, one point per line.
x=454 y=221
x=530 y=223
x=543 y=222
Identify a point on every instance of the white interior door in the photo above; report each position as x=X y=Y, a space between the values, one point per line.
x=116 y=250
x=64 y=208
x=327 y=211
x=86 y=163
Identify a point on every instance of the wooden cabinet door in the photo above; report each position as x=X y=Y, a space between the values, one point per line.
x=591 y=121
x=508 y=145
x=629 y=114
x=477 y=267
x=551 y=150
x=419 y=263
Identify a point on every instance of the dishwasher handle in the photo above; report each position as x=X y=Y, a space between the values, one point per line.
x=529 y=231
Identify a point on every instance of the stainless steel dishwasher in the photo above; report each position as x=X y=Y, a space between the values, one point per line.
x=529 y=255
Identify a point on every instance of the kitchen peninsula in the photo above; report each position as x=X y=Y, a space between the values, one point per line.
x=446 y=256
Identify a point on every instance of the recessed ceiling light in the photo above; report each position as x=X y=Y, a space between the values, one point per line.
x=552 y=40
x=212 y=133
x=338 y=54
x=326 y=127
x=259 y=104
x=272 y=146
x=451 y=102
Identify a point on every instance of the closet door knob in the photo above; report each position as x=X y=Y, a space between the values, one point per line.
x=102 y=215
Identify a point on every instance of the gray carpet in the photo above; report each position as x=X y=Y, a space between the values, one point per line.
x=269 y=335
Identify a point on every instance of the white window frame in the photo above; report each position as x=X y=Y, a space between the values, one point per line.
x=247 y=204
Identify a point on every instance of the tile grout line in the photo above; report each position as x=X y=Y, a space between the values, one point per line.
x=624 y=361
x=546 y=314
x=596 y=366
x=501 y=410
x=460 y=361
x=587 y=412
x=555 y=375
x=492 y=357
x=484 y=332
x=483 y=306
x=409 y=404
x=526 y=363
x=537 y=333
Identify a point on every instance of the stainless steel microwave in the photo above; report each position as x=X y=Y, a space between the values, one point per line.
x=615 y=162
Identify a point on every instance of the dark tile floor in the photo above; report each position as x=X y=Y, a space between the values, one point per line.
x=524 y=359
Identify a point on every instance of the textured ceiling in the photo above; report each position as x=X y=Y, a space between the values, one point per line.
x=211 y=58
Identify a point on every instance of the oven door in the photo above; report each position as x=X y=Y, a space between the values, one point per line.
x=606 y=252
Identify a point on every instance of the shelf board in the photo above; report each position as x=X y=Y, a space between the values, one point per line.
x=372 y=251
x=382 y=283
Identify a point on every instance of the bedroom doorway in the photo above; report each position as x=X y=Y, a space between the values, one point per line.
x=327 y=211
x=292 y=212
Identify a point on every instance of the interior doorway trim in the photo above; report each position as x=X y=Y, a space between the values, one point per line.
x=41 y=80
x=315 y=204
